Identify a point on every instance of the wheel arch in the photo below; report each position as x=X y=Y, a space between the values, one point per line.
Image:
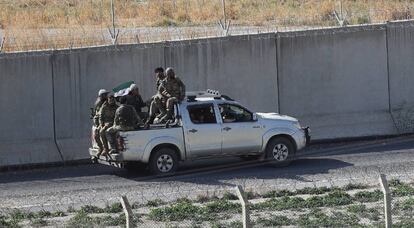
x=167 y=145
x=286 y=136
x=160 y=142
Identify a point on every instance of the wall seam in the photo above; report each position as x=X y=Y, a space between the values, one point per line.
x=52 y=59
x=388 y=78
x=277 y=37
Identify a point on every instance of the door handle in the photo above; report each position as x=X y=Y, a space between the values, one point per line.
x=256 y=126
x=227 y=128
x=193 y=130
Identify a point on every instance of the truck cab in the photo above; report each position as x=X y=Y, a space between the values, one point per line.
x=210 y=125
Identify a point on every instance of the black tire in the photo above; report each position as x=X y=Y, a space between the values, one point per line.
x=280 y=151
x=135 y=167
x=163 y=161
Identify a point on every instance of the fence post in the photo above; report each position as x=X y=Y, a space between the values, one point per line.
x=2 y=44
x=114 y=32
x=245 y=210
x=127 y=211
x=387 y=200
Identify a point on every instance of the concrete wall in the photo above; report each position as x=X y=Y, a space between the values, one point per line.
x=242 y=67
x=341 y=82
x=26 y=111
x=78 y=77
x=336 y=81
x=401 y=73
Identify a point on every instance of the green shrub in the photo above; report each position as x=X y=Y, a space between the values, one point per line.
x=275 y=220
x=80 y=220
x=366 y=196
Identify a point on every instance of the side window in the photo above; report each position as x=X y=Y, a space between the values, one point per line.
x=202 y=114
x=234 y=113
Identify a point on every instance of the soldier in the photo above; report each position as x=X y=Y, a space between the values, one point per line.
x=134 y=99
x=159 y=76
x=173 y=91
x=102 y=97
x=156 y=106
x=106 y=120
x=126 y=119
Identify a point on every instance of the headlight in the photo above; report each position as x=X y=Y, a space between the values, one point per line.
x=297 y=125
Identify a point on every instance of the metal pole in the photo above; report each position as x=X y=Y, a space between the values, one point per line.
x=245 y=210
x=387 y=200
x=127 y=211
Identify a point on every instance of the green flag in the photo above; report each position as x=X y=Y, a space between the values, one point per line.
x=122 y=86
x=122 y=89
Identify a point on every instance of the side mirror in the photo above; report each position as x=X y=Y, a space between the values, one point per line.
x=255 y=117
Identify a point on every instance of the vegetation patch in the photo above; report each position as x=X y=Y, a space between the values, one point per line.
x=336 y=198
x=38 y=222
x=313 y=191
x=367 y=196
x=229 y=196
x=220 y=206
x=184 y=210
x=407 y=205
x=351 y=186
x=363 y=212
x=319 y=219
x=80 y=220
x=155 y=203
x=176 y=212
x=403 y=189
x=275 y=221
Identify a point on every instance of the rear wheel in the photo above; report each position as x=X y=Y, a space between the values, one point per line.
x=281 y=151
x=163 y=161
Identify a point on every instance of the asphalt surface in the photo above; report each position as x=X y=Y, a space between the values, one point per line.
x=334 y=164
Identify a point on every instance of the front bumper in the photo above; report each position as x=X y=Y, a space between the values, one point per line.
x=307 y=135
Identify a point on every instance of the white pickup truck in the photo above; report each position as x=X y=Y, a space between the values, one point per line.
x=209 y=125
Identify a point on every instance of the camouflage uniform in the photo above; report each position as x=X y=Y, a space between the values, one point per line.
x=98 y=104
x=106 y=120
x=137 y=103
x=174 y=91
x=126 y=119
x=157 y=104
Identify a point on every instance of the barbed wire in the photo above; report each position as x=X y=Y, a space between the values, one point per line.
x=269 y=33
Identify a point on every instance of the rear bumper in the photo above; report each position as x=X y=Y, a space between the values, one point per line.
x=102 y=159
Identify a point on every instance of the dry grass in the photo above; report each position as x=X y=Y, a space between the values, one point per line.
x=75 y=20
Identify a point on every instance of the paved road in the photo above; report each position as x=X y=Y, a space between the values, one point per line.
x=320 y=165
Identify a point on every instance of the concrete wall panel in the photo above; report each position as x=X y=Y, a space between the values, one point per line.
x=79 y=76
x=336 y=81
x=400 y=37
x=242 y=67
x=26 y=116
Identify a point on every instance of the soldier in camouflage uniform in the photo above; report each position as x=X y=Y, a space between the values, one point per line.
x=126 y=119
x=102 y=98
x=156 y=106
x=134 y=99
x=173 y=91
x=106 y=120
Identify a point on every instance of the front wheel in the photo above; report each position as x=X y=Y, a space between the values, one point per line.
x=280 y=150
x=163 y=161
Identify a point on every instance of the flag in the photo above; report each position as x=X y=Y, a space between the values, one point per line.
x=122 y=89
